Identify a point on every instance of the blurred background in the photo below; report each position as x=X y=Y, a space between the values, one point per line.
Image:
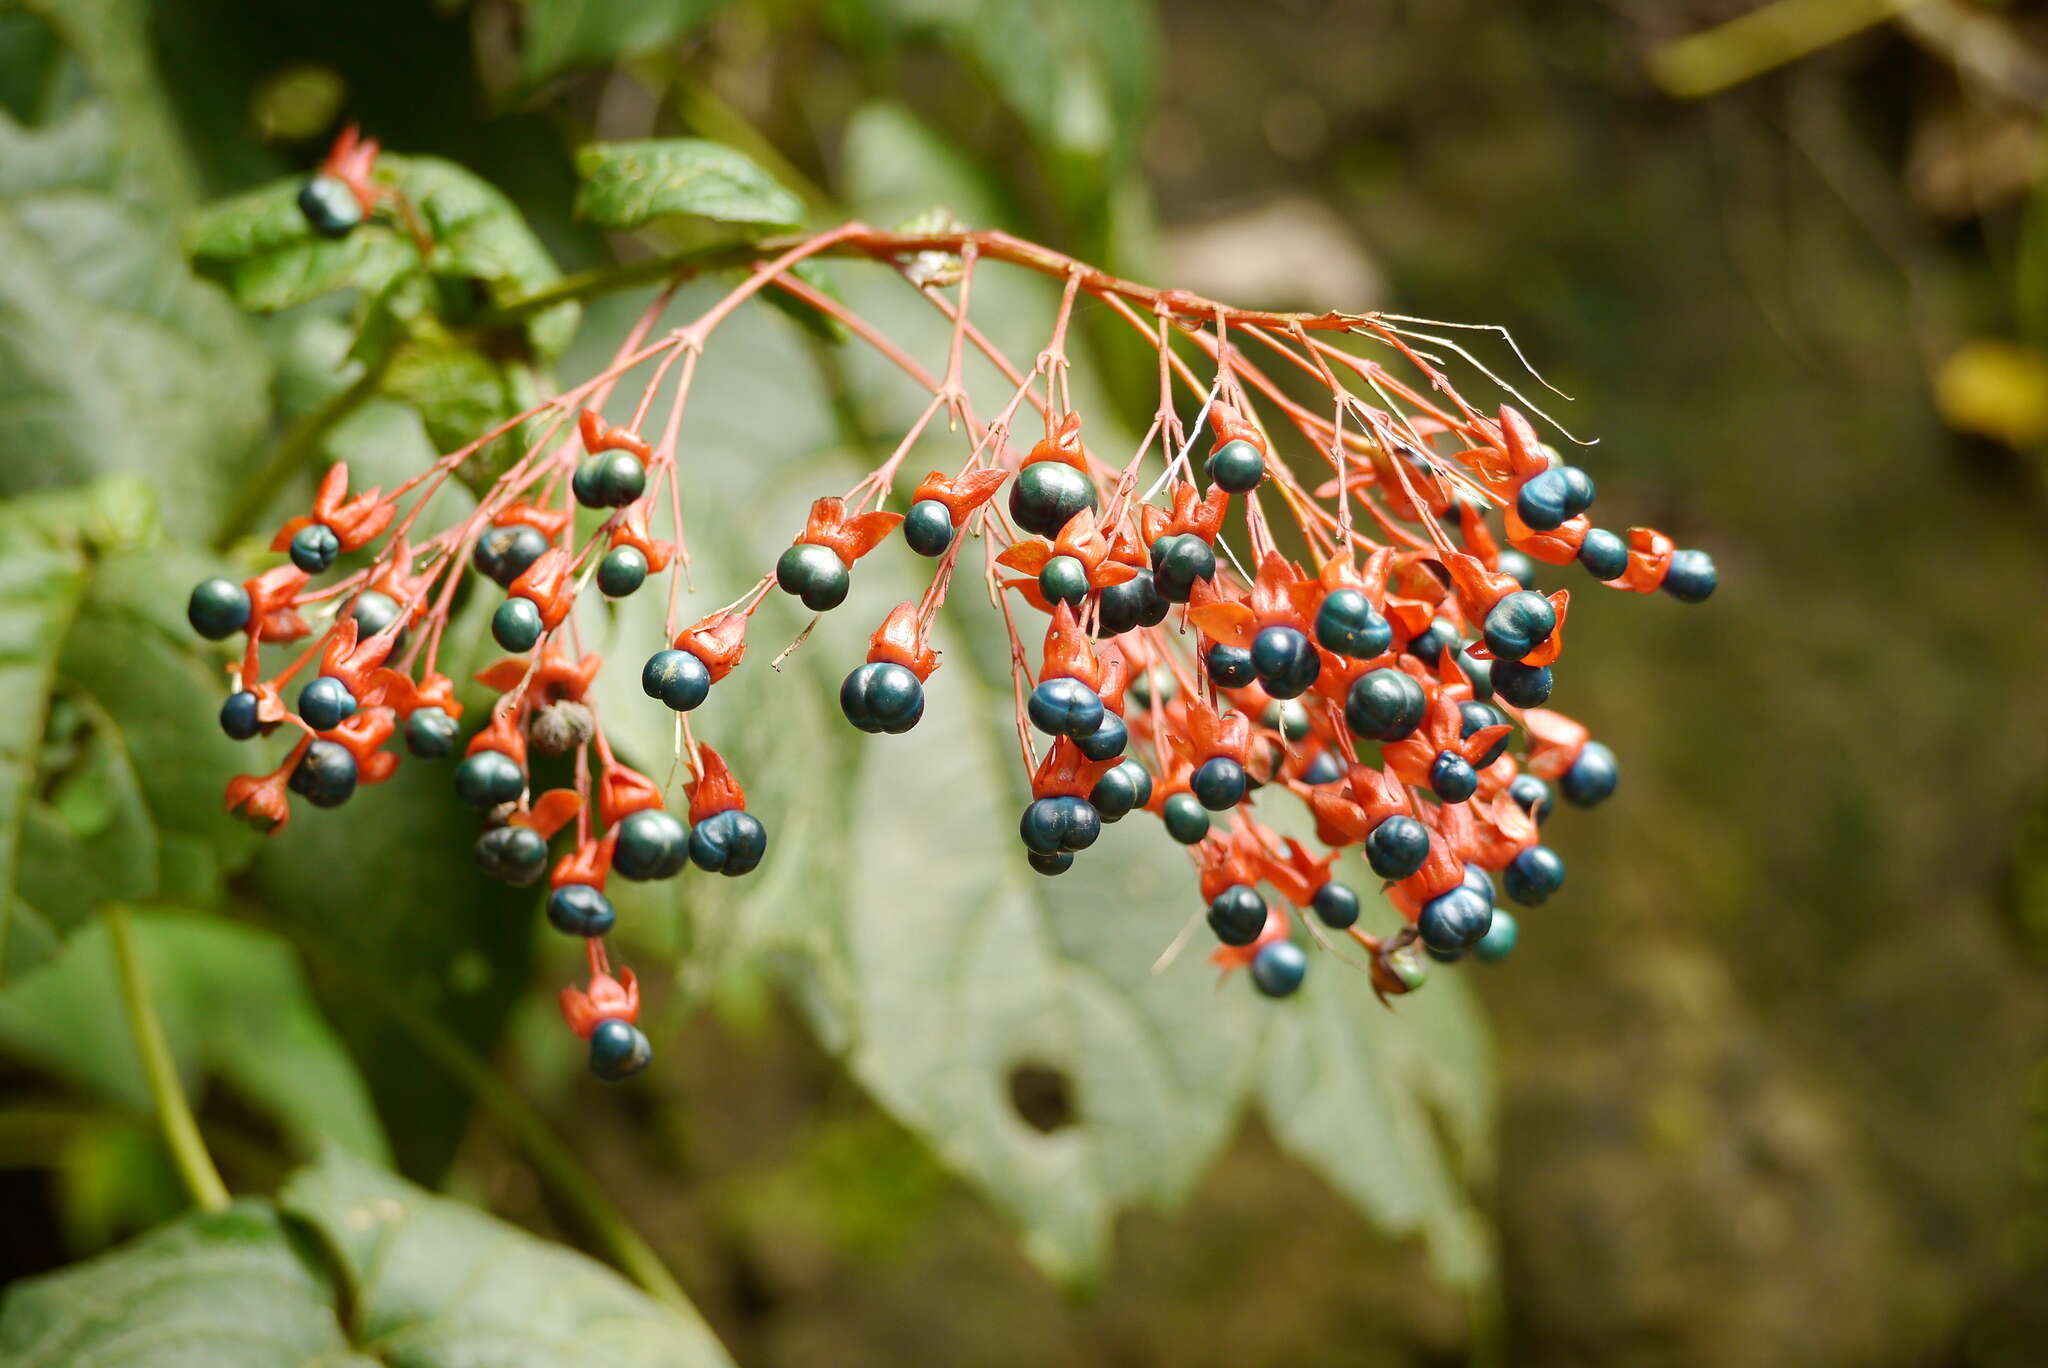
x=1771 y=1080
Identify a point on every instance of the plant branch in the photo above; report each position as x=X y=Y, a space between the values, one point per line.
x=174 y=1113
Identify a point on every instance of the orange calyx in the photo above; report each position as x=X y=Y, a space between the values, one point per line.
x=548 y=584
x=549 y=522
x=1068 y=654
x=351 y=160
x=1062 y=444
x=900 y=641
x=597 y=437
x=589 y=863
x=631 y=530
x=849 y=538
x=962 y=494
x=1065 y=772
x=621 y=792
x=504 y=734
x=550 y=812
x=606 y=999
x=1231 y=426
x=719 y=641
x=714 y=790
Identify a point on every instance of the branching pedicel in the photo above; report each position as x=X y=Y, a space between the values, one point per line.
x=1168 y=679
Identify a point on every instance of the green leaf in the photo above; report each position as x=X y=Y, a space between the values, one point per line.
x=352 y=1268
x=629 y=184
x=235 y=1009
x=566 y=33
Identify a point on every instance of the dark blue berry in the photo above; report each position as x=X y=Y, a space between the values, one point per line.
x=651 y=844
x=623 y=570
x=1323 y=768
x=1238 y=466
x=1397 y=847
x=618 y=1050
x=928 y=527
x=1517 y=566
x=1278 y=968
x=1230 y=666
x=503 y=554
x=373 y=611
x=1499 y=939
x=1237 y=915
x=1604 y=555
x=1592 y=777
x=1518 y=624
x=1525 y=686
x=1480 y=882
x=488 y=778
x=1123 y=790
x=1475 y=717
x=1286 y=661
x=1428 y=645
x=1058 y=862
x=517 y=625
x=882 y=696
x=730 y=842
x=814 y=574
x=1336 y=904
x=1349 y=625
x=1064 y=707
x=1084 y=823
x=218 y=608
x=1454 y=921
x=1444 y=956
x=1385 y=705
x=326 y=703
x=1533 y=875
x=1177 y=562
x=1047 y=494
x=1531 y=795
x=1218 y=783
x=515 y=855
x=430 y=733
x=1050 y=825
x=329 y=207
x=1064 y=580
x=325 y=775
x=610 y=479
x=1134 y=603
x=1288 y=717
x=1690 y=578
x=678 y=678
x=1578 y=490
x=580 y=910
x=1452 y=778
x=1185 y=820
x=1552 y=498
x=314 y=548
x=1106 y=741
x=238 y=716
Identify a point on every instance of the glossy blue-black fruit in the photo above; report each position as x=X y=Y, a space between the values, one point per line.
x=1237 y=915
x=218 y=608
x=325 y=775
x=1480 y=882
x=1186 y=821
x=325 y=703
x=1134 y=603
x=1604 y=554
x=623 y=570
x=1349 y=625
x=314 y=548
x=652 y=844
x=1452 y=778
x=238 y=715
x=1177 y=562
x=928 y=527
x=1518 y=624
x=882 y=696
x=1230 y=666
x=1084 y=823
x=730 y=842
x=1288 y=717
x=1397 y=847
x=1428 y=645
x=503 y=554
x=1056 y=863
x=1473 y=717
x=1218 y=783
x=1108 y=740
x=1533 y=875
x=1385 y=705
x=1517 y=566
x=329 y=207
x=1323 y=768
x=430 y=733
x=1531 y=795
x=678 y=678
x=1046 y=494
x=580 y=910
x=488 y=778
x=373 y=611
x=1455 y=920
x=517 y=625
x=618 y=1050
x=1499 y=940
x=610 y=479
x=1123 y=790
x=1592 y=777
x=1690 y=578
x=1552 y=498
x=1336 y=905
x=814 y=574
x=1237 y=465
x=1525 y=686
x=515 y=855
x=1064 y=707
x=1060 y=823
x=1444 y=956
x=1286 y=660
x=1278 y=968
x=1064 y=580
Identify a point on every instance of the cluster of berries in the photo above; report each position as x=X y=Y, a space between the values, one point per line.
x=1383 y=690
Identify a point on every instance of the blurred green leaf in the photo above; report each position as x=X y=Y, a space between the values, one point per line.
x=235 y=1009
x=564 y=33
x=629 y=184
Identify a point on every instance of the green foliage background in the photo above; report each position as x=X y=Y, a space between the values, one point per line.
x=1770 y=1085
